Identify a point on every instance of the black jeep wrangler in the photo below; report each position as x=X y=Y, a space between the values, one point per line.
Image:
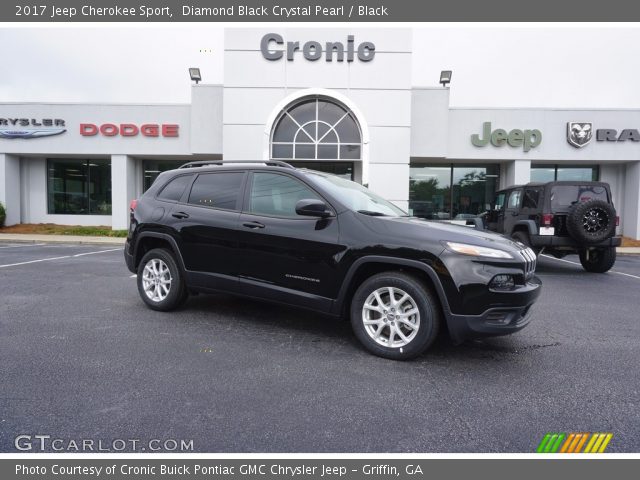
x=560 y=218
x=317 y=241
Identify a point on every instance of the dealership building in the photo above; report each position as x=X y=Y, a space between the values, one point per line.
x=337 y=100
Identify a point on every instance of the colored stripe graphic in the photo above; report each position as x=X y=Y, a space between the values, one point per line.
x=557 y=442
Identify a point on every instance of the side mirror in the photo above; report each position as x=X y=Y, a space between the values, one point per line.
x=312 y=207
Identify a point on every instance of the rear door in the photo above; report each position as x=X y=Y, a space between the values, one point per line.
x=207 y=223
x=286 y=256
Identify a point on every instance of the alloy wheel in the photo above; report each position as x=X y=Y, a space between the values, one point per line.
x=156 y=280
x=391 y=317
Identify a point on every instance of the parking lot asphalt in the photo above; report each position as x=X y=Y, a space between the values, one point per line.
x=81 y=357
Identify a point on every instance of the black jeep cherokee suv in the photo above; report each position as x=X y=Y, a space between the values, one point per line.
x=560 y=218
x=314 y=240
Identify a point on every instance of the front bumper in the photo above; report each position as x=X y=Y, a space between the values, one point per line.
x=554 y=241
x=512 y=313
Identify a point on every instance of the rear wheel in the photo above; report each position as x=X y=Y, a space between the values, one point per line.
x=160 y=281
x=598 y=260
x=395 y=316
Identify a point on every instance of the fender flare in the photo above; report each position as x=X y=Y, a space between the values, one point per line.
x=530 y=226
x=163 y=236
x=433 y=276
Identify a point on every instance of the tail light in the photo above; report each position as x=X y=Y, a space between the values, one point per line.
x=547 y=219
x=617 y=221
x=133 y=204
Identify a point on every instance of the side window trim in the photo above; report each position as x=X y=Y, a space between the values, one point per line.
x=239 y=199
x=246 y=204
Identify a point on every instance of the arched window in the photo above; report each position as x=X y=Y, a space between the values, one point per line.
x=316 y=129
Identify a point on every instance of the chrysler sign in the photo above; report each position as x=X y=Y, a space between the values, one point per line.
x=31 y=127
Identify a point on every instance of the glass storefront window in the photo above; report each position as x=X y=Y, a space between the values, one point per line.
x=550 y=173
x=430 y=191
x=584 y=174
x=543 y=174
x=474 y=187
x=79 y=187
x=153 y=168
x=443 y=192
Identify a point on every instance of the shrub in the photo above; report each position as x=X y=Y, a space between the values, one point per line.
x=3 y=214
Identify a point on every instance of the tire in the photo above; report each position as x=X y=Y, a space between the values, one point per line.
x=523 y=237
x=153 y=287
x=591 y=222
x=375 y=335
x=600 y=259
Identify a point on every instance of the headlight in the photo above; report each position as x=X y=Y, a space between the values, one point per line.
x=476 y=251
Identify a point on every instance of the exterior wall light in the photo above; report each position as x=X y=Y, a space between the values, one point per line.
x=195 y=75
x=445 y=77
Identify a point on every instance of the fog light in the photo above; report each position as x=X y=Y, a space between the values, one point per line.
x=502 y=282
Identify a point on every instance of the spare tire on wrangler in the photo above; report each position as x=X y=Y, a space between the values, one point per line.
x=592 y=221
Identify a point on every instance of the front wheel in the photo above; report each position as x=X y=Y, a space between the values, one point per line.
x=160 y=281
x=598 y=260
x=395 y=316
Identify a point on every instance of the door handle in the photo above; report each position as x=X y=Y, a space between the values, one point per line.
x=253 y=225
x=180 y=215
x=514 y=214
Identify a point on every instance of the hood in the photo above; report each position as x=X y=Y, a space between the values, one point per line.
x=412 y=228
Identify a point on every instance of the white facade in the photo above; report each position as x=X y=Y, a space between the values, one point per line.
x=401 y=126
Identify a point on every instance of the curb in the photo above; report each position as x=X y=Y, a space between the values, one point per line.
x=71 y=239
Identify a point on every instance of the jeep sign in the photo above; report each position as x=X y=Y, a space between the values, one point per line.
x=527 y=139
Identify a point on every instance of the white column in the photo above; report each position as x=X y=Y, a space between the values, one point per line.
x=10 y=187
x=123 y=183
x=517 y=172
x=631 y=207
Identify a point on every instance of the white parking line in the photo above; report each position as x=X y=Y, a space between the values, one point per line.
x=25 y=245
x=93 y=253
x=576 y=263
x=56 y=258
x=34 y=261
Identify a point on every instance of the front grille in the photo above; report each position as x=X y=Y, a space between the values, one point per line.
x=529 y=258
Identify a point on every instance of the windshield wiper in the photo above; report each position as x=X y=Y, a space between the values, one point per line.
x=372 y=213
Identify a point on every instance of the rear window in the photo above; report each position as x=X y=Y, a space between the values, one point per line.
x=173 y=190
x=566 y=195
x=218 y=190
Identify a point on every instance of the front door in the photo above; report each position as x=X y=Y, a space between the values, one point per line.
x=286 y=257
x=512 y=210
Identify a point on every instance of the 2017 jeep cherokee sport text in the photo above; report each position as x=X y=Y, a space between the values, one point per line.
x=318 y=241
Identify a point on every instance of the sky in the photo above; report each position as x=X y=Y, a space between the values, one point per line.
x=493 y=66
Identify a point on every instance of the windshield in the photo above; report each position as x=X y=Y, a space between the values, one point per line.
x=356 y=197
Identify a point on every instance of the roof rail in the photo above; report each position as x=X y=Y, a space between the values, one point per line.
x=204 y=163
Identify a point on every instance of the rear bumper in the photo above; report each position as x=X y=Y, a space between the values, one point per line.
x=128 y=258
x=496 y=321
x=553 y=241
